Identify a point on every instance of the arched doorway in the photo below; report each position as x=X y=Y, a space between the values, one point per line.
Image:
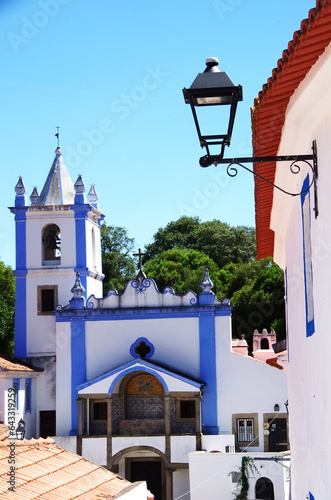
x=264 y=343
x=264 y=489
x=144 y=463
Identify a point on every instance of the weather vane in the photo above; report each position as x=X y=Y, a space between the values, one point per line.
x=58 y=136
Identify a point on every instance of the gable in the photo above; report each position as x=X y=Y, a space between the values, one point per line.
x=108 y=383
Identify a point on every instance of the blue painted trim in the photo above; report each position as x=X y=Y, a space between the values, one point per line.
x=147 y=342
x=311 y=496
x=310 y=323
x=132 y=313
x=286 y=317
x=78 y=366
x=27 y=382
x=208 y=372
x=133 y=366
x=81 y=216
x=20 y=283
x=17 y=381
x=20 y=315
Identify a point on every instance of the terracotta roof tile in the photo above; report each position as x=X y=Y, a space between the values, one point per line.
x=45 y=471
x=268 y=112
x=8 y=364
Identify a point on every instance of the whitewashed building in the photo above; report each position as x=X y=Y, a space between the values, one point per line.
x=293 y=110
x=136 y=381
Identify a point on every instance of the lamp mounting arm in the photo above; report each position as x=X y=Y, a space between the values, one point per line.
x=310 y=160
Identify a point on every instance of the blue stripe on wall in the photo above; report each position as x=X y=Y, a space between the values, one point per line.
x=20 y=284
x=20 y=315
x=81 y=244
x=78 y=367
x=208 y=372
x=307 y=259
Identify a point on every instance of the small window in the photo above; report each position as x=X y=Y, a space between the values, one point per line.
x=235 y=476
x=245 y=429
x=187 y=408
x=100 y=411
x=15 y=387
x=27 y=404
x=47 y=299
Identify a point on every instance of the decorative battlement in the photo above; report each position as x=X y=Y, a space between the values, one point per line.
x=142 y=293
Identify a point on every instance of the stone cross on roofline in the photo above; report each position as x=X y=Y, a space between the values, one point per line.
x=141 y=275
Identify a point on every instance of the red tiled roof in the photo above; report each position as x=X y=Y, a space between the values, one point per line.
x=268 y=112
x=8 y=364
x=45 y=471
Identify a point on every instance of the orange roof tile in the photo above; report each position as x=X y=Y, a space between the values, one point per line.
x=268 y=112
x=8 y=364
x=45 y=471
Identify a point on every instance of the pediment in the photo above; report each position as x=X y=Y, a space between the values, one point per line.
x=108 y=383
x=142 y=293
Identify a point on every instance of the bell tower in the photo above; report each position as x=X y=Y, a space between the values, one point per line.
x=57 y=235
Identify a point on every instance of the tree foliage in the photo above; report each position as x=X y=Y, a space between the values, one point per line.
x=182 y=269
x=7 y=309
x=218 y=240
x=117 y=262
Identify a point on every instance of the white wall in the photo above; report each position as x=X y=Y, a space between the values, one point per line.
x=247 y=385
x=176 y=342
x=308 y=117
x=95 y=449
x=63 y=378
x=210 y=475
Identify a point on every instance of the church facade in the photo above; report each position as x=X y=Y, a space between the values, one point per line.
x=133 y=381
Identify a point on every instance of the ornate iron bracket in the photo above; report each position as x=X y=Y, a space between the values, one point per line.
x=295 y=168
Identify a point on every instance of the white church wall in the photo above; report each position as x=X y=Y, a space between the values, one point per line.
x=41 y=327
x=308 y=118
x=181 y=446
x=176 y=342
x=95 y=449
x=63 y=378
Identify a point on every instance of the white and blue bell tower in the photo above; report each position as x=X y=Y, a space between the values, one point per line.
x=57 y=235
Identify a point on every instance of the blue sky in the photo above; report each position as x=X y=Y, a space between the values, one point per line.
x=110 y=73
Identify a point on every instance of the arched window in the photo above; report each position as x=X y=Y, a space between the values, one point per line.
x=264 y=489
x=264 y=344
x=51 y=245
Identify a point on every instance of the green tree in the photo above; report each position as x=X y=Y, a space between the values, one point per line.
x=218 y=240
x=182 y=269
x=257 y=295
x=117 y=263
x=7 y=309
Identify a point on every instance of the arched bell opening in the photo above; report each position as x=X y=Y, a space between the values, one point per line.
x=51 y=245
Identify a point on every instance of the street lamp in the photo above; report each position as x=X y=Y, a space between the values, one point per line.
x=214 y=88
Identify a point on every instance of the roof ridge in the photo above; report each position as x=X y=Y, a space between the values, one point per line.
x=305 y=26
